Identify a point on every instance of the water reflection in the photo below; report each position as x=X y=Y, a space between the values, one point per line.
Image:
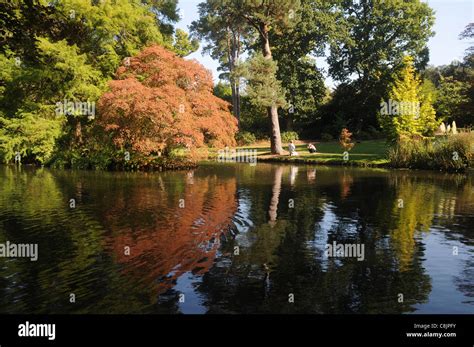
x=276 y=189
x=170 y=233
x=238 y=239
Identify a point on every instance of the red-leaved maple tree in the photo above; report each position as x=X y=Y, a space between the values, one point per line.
x=160 y=101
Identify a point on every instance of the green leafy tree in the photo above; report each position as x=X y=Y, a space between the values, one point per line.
x=407 y=111
x=53 y=51
x=468 y=71
x=314 y=26
x=304 y=89
x=183 y=46
x=106 y=31
x=455 y=86
x=263 y=89
x=264 y=17
x=223 y=91
x=451 y=96
x=32 y=136
x=468 y=33
x=372 y=38
x=376 y=35
x=31 y=94
x=166 y=12
x=224 y=32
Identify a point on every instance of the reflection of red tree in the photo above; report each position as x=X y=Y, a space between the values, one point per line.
x=346 y=184
x=181 y=239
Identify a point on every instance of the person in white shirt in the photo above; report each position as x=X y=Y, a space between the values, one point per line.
x=292 y=149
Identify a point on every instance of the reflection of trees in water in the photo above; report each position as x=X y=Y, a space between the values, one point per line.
x=276 y=189
x=465 y=282
x=34 y=209
x=455 y=205
x=282 y=254
x=174 y=240
x=465 y=197
x=366 y=216
x=77 y=255
x=346 y=183
x=454 y=198
x=444 y=200
x=412 y=212
x=82 y=250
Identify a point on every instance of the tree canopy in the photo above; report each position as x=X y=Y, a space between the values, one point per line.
x=65 y=51
x=407 y=111
x=160 y=101
x=373 y=37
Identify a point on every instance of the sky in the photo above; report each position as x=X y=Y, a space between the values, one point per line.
x=452 y=16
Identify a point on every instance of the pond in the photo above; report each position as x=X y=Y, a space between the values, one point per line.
x=237 y=238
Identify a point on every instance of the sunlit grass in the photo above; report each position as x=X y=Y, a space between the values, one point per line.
x=373 y=153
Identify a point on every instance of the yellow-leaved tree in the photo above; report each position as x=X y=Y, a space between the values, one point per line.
x=408 y=110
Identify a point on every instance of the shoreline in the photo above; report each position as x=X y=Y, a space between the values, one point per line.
x=365 y=154
x=269 y=160
x=334 y=163
x=381 y=163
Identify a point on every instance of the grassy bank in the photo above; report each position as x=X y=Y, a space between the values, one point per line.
x=367 y=153
x=453 y=153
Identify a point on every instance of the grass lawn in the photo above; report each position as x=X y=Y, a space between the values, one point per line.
x=366 y=153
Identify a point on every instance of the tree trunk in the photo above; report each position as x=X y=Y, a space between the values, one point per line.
x=272 y=111
x=237 y=104
x=78 y=131
x=275 y=138
x=234 y=99
x=233 y=59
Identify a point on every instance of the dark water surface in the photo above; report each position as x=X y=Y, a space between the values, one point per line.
x=184 y=230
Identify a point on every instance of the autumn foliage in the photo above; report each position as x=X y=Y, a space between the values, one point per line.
x=160 y=101
x=345 y=140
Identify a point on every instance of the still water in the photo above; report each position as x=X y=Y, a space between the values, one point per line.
x=237 y=238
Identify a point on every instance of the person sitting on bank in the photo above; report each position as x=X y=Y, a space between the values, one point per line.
x=292 y=148
x=311 y=148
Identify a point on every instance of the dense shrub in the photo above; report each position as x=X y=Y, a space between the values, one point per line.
x=452 y=153
x=245 y=138
x=81 y=160
x=371 y=133
x=288 y=136
x=110 y=159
